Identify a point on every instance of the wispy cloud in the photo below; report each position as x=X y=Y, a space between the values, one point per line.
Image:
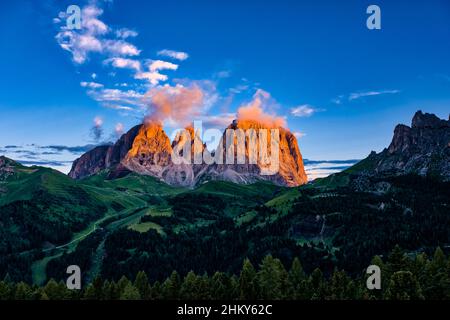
x=323 y=168
x=124 y=33
x=239 y=88
x=178 y=55
x=153 y=77
x=71 y=149
x=358 y=95
x=361 y=94
x=304 y=110
x=124 y=63
x=299 y=134
x=59 y=157
x=162 y=65
x=222 y=74
x=92 y=85
x=97 y=129
x=118 y=99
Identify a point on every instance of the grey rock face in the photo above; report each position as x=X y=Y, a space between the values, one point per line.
x=423 y=148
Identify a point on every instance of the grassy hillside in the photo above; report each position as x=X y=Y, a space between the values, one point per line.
x=118 y=227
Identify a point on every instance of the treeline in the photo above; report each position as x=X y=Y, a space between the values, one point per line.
x=402 y=278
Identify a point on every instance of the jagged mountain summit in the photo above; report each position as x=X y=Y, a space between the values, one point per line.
x=290 y=173
x=423 y=148
x=146 y=149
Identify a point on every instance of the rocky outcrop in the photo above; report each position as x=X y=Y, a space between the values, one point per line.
x=423 y=149
x=146 y=149
x=89 y=163
x=103 y=157
x=288 y=172
x=7 y=167
x=119 y=150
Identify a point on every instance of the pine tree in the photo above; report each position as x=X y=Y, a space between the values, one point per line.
x=340 y=286
x=297 y=279
x=130 y=292
x=272 y=279
x=23 y=292
x=188 y=289
x=171 y=287
x=89 y=293
x=397 y=261
x=234 y=287
x=5 y=291
x=52 y=290
x=248 y=282
x=142 y=284
x=403 y=286
x=203 y=287
x=221 y=287
x=44 y=296
x=437 y=278
x=317 y=285
x=157 y=293
x=121 y=284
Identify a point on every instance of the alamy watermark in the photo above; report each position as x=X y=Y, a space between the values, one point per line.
x=374 y=20
x=250 y=146
x=74 y=280
x=73 y=20
x=374 y=280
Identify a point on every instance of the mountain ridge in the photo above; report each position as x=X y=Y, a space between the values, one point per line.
x=146 y=149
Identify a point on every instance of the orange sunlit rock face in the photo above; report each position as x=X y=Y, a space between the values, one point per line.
x=151 y=149
x=150 y=153
x=291 y=171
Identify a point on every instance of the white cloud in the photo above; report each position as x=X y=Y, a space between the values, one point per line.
x=98 y=121
x=117 y=95
x=304 y=110
x=299 y=134
x=223 y=74
x=92 y=38
x=124 y=63
x=120 y=47
x=126 y=33
x=119 y=129
x=153 y=77
x=239 y=88
x=357 y=95
x=361 y=94
x=91 y=85
x=162 y=65
x=178 y=55
x=117 y=99
x=118 y=107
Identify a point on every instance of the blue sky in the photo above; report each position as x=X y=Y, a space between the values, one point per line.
x=338 y=85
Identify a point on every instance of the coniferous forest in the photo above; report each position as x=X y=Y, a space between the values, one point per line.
x=403 y=278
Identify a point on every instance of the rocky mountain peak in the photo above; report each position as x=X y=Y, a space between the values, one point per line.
x=289 y=170
x=427 y=120
x=423 y=148
x=151 y=150
x=146 y=149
